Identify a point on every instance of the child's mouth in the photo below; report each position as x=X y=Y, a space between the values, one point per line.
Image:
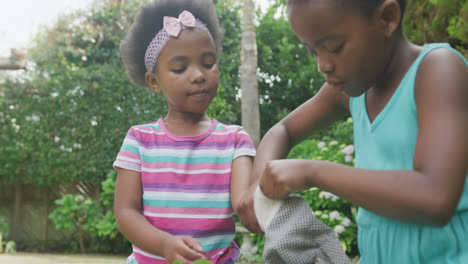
x=337 y=85
x=199 y=93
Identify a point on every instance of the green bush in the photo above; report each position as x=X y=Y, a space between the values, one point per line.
x=105 y=224
x=4 y=231
x=88 y=217
x=74 y=212
x=10 y=247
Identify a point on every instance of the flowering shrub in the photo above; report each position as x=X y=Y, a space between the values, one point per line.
x=329 y=208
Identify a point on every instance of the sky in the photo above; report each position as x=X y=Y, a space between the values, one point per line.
x=20 y=20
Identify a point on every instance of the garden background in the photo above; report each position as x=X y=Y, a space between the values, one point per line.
x=62 y=121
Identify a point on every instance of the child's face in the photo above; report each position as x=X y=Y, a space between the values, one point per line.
x=348 y=47
x=187 y=72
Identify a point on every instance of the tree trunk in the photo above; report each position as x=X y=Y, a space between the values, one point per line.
x=1 y=243
x=82 y=247
x=98 y=195
x=45 y=221
x=16 y=221
x=248 y=71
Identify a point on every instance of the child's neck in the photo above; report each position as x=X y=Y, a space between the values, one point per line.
x=183 y=124
x=401 y=57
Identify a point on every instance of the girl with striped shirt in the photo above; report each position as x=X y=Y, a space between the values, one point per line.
x=181 y=178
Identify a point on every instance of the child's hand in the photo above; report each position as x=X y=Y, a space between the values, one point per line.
x=183 y=249
x=282 y=177
x=246 y=212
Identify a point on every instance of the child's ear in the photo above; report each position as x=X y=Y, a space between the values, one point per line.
x=389 y=14
x=152 y=82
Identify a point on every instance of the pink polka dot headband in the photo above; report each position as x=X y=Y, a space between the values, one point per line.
x=171 y=28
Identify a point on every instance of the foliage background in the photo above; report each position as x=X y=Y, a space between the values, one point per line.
x=64 y=119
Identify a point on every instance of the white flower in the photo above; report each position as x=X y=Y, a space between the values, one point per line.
x=348 y=150
x=54 y=94
x=33 y=118
x=334 y=198
x=56 y=139
x=77 y=146
x=321 y=144
x=346 y=222
x=339 y=229
x=334 y=215
x=333 y=142
x=328 y=195
x=62 y=147
x=348 y=158
x=325 y=195
x=93 y=122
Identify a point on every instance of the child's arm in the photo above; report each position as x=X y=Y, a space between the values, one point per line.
x=326 y=107
x=240 y=180
x=137 y=229
x=428 y=194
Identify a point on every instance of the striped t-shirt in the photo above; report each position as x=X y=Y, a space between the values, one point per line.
x=186 y=183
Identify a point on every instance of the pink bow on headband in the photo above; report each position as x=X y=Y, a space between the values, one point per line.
x=173 y=26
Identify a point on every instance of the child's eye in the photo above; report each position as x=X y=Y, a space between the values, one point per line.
x=178 y=70
x=208 y=65
x=338 y=49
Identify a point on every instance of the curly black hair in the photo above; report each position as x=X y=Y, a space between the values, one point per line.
x=367 y=7
x=149 y=21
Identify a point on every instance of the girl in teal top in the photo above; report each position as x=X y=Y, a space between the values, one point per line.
x=410 y=111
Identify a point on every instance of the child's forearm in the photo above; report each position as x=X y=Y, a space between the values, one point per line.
x=274 y=145
x=140 y=232
x=317 y=113
x=406 y=195
x=240 y=179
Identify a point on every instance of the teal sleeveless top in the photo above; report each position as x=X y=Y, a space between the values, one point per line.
x=388 y=143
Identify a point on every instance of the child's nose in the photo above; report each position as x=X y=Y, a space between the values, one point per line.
x=325 y=66
x=198 y=76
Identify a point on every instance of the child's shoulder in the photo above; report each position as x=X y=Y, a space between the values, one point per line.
x=145 y=128
x=219 y=126
x=437 y=54
x=442 y=75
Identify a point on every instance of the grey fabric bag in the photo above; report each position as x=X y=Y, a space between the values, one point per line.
x=294 y=235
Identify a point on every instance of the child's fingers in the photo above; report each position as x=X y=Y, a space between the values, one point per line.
x=193 y=244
